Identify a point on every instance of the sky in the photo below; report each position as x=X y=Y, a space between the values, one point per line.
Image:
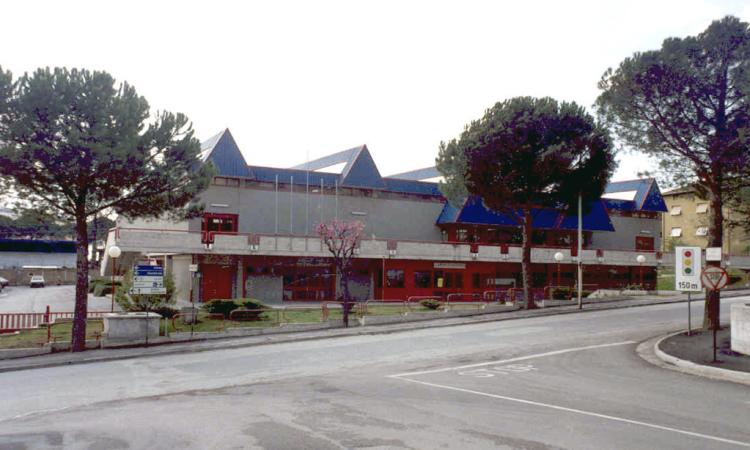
x=299 y=80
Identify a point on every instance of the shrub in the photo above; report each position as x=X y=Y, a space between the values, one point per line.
x=251 y=303
x=431 y=303
x=165 y=311
x=561 y=293
x=221 y=306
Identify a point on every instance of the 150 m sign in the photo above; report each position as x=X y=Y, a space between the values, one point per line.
x=687 y=274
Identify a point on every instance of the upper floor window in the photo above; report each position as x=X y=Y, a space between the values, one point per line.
x=701 y=208
x=675 y=211
x=462 y=234
x=676 y=232
x=701 y=231
x=221 y=223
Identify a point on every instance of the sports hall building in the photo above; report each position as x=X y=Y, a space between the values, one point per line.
x=257 y=235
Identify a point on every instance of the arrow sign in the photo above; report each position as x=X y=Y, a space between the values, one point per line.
x=148 y=291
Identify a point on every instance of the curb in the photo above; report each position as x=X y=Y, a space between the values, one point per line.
x=689 y=367
x=281 y=338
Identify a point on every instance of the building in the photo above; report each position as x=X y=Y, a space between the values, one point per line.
x=256 y=238
x=686 y=223
x=20 y=258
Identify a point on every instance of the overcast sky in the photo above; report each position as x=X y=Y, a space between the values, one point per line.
x=296 y=78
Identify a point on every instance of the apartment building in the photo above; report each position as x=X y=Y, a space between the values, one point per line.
x=687 y=219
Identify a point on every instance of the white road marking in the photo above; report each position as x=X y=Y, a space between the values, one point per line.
x=505 y=361
x=498 y=370
x=580 y=411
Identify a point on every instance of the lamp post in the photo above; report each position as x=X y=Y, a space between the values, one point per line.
x=641 y=259
x=114 y=253
x=558 y=257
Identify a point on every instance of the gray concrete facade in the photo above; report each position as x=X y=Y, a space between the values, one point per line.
x=386 y=215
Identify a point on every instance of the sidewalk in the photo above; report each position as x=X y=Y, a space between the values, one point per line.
x=693 y=354
x=228 y=342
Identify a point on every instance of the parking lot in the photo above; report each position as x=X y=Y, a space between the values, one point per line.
x=59 y=299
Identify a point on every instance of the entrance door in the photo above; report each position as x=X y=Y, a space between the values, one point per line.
x=217 y=281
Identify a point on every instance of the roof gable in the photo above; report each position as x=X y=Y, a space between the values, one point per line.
x=361 y=171
x=647 y=196
x=223 y=151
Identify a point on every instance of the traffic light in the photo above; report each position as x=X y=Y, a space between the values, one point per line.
x=687 y=262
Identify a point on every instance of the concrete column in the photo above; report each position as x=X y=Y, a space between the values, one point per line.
x=239 y=283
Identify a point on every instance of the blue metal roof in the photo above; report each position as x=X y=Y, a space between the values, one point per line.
x=418 y=174
x=223 y=151
x=475 y=212
x=647 y=196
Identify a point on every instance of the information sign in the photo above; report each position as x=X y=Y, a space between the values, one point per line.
x=687 y=269
x=713 y=254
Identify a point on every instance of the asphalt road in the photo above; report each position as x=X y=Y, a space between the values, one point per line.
x=568 y=381
x=59 y=298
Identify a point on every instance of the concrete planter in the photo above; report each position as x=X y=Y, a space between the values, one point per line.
x=134 y=326
x=740 y=320
x=189 y=314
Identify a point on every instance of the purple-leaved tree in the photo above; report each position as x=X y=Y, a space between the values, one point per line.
x=342 y=238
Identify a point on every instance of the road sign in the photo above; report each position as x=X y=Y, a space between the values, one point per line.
x=138 y=279
x=714 y=278
x=149 y=271
x=148 y=291
x=148 y=284
x=687 y=269
x=713 y=254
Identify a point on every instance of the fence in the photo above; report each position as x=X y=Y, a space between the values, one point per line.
x=26 y=321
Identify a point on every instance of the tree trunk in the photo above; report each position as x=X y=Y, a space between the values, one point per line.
x=715 y=239
x=78 y=339
x=344 y=283
x=526 y=259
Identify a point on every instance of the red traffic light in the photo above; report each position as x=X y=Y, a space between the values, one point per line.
x=687 y=254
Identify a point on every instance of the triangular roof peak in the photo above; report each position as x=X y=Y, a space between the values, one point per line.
x=359 y=169
x=222 y=150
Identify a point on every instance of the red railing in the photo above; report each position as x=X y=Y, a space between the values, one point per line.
x=25 y=321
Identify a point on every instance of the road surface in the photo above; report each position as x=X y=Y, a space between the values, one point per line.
x=567 y=381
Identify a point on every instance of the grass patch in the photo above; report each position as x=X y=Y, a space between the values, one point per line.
x=60 y=333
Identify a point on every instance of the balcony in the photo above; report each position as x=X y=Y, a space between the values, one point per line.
x=134 y=241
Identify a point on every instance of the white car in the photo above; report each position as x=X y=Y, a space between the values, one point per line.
x=36 y=281
x=4 y=282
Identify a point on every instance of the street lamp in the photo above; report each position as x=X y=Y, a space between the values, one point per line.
x=114 y=252
x=641 y=259
x=558 y=257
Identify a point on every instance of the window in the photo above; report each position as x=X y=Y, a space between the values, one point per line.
x=701 y=208
x=422 y=279
x=676 y=232
x=394 y=278
x=476 y=281
x=675 y=211
x=644 y=243
x=462 y=234
x=441 y=279
x=701 y=231
x=222 y=223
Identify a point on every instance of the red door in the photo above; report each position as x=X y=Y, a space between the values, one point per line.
x=217 y=281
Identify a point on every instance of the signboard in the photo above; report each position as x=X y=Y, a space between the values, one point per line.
x=148 y=280
x=148 y=284
x=148 y=291
x=193 y=267
x=447 y=265
x=714 y=278
x=713 y=254
x=149 y=271
x=687 y=269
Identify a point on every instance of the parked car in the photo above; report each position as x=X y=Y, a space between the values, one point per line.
x=4 y=282
x=36 y=281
